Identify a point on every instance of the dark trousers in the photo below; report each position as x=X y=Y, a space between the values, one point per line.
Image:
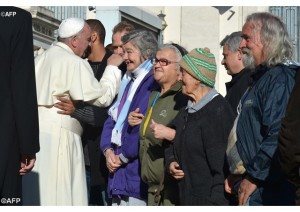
x=298 y=196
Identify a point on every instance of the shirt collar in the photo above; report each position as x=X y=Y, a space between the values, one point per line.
x=200 y=104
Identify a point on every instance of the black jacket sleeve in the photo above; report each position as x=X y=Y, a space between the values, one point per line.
x=289 y=137
x=23 y=88
x=89 y=114
x=169 y=151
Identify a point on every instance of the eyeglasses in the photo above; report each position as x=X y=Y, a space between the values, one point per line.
x=162 y=62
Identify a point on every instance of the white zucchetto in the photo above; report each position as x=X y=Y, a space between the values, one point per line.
x=70 y=27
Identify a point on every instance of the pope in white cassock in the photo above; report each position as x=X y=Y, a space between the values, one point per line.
x=58 y=177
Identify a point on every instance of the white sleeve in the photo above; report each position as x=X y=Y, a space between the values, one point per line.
x=87 y=88
x=109 y=86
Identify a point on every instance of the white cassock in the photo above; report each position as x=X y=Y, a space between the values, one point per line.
x=58 y=177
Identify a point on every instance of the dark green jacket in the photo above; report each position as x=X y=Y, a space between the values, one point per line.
x=152 y=150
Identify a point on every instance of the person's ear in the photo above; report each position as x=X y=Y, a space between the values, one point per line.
x=179 y=76
x=74 y=41
x=94 y=37
x=239 y=54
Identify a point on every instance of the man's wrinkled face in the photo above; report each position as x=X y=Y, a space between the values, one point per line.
x=251 y=43
x=231 y=60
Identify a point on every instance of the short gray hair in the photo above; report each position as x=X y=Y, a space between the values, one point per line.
x=175 y=48
x=144 y=40
x=233 y=42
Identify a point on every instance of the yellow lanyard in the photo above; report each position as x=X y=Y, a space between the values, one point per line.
x=150 y=113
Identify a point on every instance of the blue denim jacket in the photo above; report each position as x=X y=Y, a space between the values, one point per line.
x=263 y=107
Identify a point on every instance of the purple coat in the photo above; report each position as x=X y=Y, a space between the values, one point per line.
x=127 y=179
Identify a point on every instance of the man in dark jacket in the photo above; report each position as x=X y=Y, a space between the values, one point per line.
x=19 y=128
x=263 y=106
x=289 y=139
x=236 y=63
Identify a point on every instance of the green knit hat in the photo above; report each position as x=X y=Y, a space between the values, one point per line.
x=201 y=64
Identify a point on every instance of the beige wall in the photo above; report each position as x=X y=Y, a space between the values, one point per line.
x=201 y=26
x=204 y=26
x=227 y=26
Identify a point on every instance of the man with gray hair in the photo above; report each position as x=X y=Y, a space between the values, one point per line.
x=236 y=63
x=263 y=106
x=59 y=175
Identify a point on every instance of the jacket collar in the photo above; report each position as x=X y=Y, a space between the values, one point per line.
x=259 y=71
x=64 y=46
x=237 y=77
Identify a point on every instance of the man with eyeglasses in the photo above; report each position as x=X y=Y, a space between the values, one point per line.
x=59 y=175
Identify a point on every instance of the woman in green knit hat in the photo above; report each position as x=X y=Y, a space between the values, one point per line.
x=199 y=133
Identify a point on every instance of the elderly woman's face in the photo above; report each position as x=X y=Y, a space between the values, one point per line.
x=189 y=83
x=132 y=56
x=166 y=68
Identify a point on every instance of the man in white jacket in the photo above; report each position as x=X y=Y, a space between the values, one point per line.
x=59 y=175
